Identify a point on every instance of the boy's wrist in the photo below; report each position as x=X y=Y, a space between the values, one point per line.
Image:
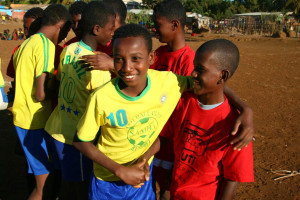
x=118 y=171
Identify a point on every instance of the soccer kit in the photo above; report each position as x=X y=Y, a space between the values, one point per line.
x=203 y=155
x=129 y=125
x=180 y=62
x=33 y=58
x=76 y=85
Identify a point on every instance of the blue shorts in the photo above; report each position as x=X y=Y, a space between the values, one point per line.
x=34 y=144
x=118 y=190
x=73 y=164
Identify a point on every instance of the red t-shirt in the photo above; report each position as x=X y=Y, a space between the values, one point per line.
x=203 y=155
x=180 y=62
x=106 y=49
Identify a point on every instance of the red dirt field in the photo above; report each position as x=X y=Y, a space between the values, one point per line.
x=268 y=80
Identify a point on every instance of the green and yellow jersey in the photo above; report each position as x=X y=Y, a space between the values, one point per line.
x=129 y=125
x=34 y=57
x=76 y=85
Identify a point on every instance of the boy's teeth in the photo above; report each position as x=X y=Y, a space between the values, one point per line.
x=129 y=76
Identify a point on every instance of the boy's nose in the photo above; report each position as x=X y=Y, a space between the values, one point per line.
x=127 y=67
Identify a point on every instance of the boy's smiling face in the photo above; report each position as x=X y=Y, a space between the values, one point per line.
x=207 y=78
x=131 y=61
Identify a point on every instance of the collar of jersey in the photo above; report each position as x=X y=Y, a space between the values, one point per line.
x=129 y=98
x=81 y=43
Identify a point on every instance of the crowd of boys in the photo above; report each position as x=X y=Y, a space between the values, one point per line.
x=113 y=114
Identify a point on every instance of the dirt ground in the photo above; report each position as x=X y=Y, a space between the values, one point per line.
x=267 y=79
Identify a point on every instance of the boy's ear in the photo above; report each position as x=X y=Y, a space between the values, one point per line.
x=151 y=57
x=224 y=76
x=96 y=30
x=175 y=24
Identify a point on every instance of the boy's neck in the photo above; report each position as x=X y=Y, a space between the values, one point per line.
x=90 y=41
x=177 y=43
x=212 y=98
x=132 y=91
x=50 y=32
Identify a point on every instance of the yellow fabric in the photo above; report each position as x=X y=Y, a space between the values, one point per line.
x=75 y=88
x=129 y=125
x=34 y=57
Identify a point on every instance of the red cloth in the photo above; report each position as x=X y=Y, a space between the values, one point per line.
x=180 y=62
x=73 y=40
x=10 y=68
x=106 y=49
x=203 y=156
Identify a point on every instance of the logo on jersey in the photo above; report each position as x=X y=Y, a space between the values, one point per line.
x=163 y=98
x=77 y=51
x=142 y=130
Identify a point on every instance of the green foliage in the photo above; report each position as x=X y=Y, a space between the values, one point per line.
x=150 y=3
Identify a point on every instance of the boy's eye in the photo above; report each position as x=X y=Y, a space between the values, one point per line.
x=135 y=58
x=198 y=69
x=117 y=59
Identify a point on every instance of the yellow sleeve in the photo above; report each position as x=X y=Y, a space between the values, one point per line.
x=90 y=122
x=97 y=78
x=185 y=82
x=44 y=57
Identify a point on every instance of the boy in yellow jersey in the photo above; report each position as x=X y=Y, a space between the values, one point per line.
x=131 y=111
x=76 y=85
x=3 y=97
x=34 y=63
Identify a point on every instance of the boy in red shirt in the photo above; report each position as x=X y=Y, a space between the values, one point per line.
x=206 y=165
x=177 y=57
x=169 y=24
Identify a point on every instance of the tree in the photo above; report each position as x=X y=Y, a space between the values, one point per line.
x=150 y=3
x=294 y=5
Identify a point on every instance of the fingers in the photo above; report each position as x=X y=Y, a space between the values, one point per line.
x=147 y=172
x=243 y=139
x=235 y=127
x=141 y=164
x=138 y=185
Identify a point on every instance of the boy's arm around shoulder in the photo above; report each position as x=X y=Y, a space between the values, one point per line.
x=243 y=122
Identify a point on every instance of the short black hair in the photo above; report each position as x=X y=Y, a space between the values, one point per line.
x=77 y=7
x=34 y=13
x=134 y=30
x=172 y=10
x=119 y=8
x=55 y=13
x=226 y=54
x=95 y=13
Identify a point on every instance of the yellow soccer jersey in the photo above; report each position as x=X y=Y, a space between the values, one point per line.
x=129 y=125
x=76 y=85
x=34 y=57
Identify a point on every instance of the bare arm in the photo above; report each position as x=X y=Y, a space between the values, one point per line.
x=227 y=190
x=133 y=175
x=40 y=91
x=243 y=122
x=99 y=61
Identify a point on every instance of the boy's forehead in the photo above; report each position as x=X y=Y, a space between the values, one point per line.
x=130 y=41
